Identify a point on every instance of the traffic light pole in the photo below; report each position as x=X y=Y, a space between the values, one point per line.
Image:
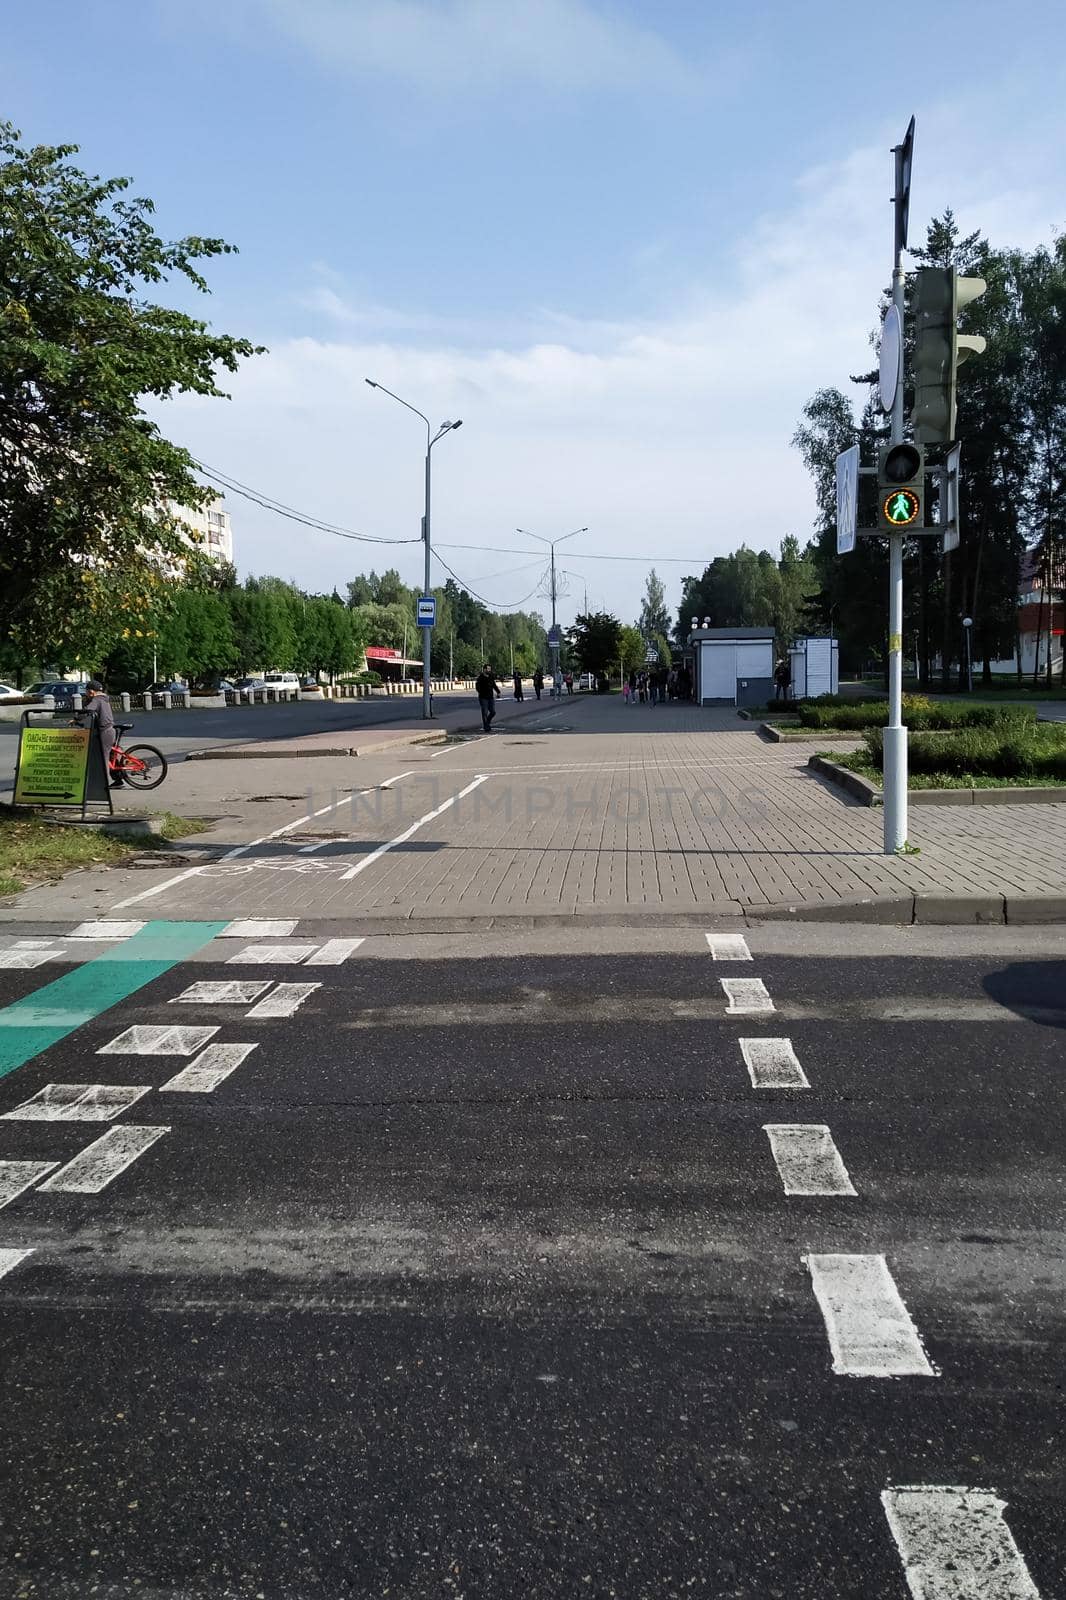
x=894 y=776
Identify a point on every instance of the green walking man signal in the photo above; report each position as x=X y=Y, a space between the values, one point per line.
x=900 y=486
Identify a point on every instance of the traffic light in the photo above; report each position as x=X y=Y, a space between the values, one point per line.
x=900 y=487
x=940 y=349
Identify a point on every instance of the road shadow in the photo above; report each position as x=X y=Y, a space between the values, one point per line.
x=1035 y=990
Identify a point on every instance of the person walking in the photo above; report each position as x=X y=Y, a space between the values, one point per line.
x=782 y=680
x=538 y=682
x=98 y=710
x=486 y=689
x=632 y=683
x=518 y=686
x=568 y=679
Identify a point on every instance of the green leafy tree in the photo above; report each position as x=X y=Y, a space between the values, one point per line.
x=86 y=477
x=593 y=642
x=654 y=617
x=632 y=649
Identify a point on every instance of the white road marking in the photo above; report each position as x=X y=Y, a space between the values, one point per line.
x=339 y=838
x=78 y=1102
x=955 y=1544
x=106 y=930
x=221 y=994
x=259 y=928
x=773 y=1064
x=38 y=944
x=11 y=1258
x=25 y=960
x=401 y=838
x=209 y=1069
x=284 y=1001
x=261 y=955
x=807 y=1159
x=390 y=781
x=17 y=1176
x=746 y=996
x=95 y=1167
x=728 y=947
x=145 y=1041
x=333 y=953
x=871 y=1334
x=230 y=855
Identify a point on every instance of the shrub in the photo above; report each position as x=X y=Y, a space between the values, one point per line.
x=1011 y=751
x=919 y=714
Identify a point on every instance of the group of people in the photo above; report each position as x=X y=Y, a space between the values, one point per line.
x=488 y=690
x=657 y=685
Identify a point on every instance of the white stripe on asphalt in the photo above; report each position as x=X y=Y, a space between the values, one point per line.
x=259 y=928
x=261 y=955
x=401 y=838
x=212 y=1067
x=871 y=1334
x=746 y=996
x=78 y=1102
x=11 y=1258
x=221 y=994
x=807 y=1159
x=95 y=1167
x=26 y=960
x=284 y=1000
x=773 y=1064
x=728 y=947
x=17 y=1176
x=333 y=953
x=106 y=930
x=144 y=1041
x=955 y=1544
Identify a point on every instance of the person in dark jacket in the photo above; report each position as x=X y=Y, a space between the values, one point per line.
x=98 y=710
x=538 y=682
x=487 y=689
x=518 y=686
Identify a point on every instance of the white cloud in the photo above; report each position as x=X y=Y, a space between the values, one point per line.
x=458 y=45
x=666 y=437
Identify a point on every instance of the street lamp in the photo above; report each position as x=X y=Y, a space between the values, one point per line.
x=967 y=624
x=553 y=637
x=431 y=439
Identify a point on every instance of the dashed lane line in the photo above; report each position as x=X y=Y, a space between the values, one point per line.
x=807 y=1159
x=102 y=1161
x=955 y=1544
x=870 y=1331
x=773 y=1064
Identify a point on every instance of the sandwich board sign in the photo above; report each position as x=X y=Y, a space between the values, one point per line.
x=53 y=766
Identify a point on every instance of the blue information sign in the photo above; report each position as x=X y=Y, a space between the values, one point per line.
x=427 y=611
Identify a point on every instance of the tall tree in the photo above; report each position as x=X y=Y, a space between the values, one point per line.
x=87 y=479
x=654 y=617
x=593 y=639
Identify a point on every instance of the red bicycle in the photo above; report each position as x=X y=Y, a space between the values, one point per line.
x=142 y=766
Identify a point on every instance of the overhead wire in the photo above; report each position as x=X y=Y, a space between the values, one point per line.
x=501 y=605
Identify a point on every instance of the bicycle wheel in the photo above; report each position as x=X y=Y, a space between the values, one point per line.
x=143 y=766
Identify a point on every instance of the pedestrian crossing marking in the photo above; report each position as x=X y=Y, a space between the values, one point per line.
x=104 y=1160
x=284 y=1000
x=78 y=1102
x=259 y=928
x=106 y=930
x=10 y=1259
x=807 y=1159
x=728 y=947
x=773 y=1064
x=870 y=1331
x=141 y=1040
x=955 y=1544
x=208 y=1070
x=263 y=954
x=18 y=1176
x=746 y=996
x=333 y=953
x=221 y=994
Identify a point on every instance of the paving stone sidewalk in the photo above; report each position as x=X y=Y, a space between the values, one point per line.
x=597 y=810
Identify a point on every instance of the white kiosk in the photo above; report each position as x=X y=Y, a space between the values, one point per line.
x=815 y=667
x=732 y=666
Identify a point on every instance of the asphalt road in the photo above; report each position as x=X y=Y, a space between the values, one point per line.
x=478 y=1277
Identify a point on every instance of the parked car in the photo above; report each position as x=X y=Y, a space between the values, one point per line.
x=281 y=680
x=9 y=693
x=249 y=683
x=159 y=689
x=61 y=689
x=309 y=682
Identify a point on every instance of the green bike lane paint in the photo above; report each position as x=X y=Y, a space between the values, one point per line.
x=31 y=1025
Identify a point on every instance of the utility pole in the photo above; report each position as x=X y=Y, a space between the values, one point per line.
x=554 y=642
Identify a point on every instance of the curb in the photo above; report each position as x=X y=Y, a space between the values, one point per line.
x=868 y=794
x=379 y=747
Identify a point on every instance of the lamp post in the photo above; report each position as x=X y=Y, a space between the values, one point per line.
x=431 y=439
x=967 y=624
x=553 y=638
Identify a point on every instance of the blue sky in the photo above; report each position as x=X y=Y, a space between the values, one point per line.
x=624 y=242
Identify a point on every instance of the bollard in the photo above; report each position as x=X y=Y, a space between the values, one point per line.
x=125 y=702
x=147 y=698
x=75 y=701
x=166 y=700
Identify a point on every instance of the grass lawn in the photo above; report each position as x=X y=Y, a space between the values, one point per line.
x=32 y=850
x=860 y=762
